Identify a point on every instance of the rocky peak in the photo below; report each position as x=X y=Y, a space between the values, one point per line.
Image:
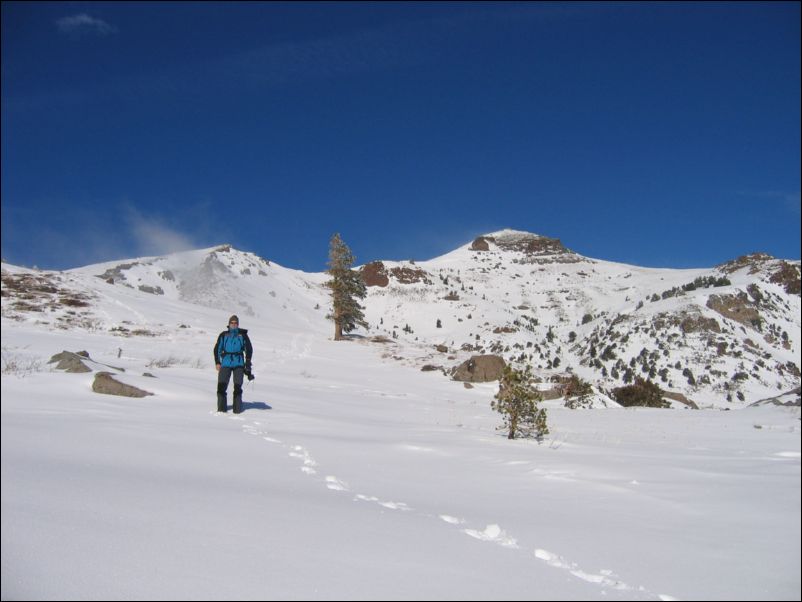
x=753 y=261
x=377 y=274
x=771 y=269
x=532 y=246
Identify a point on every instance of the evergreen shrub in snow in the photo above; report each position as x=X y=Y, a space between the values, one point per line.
x=642 y=393
x=516 y=401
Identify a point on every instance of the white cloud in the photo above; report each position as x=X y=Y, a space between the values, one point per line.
x=83 y=24
x=152 y=237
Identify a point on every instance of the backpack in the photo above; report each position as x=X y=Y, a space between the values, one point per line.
x=232 y=350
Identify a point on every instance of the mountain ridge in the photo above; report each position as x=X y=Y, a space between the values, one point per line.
x=720 y=336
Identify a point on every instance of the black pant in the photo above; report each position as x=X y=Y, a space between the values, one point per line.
x=222 y=385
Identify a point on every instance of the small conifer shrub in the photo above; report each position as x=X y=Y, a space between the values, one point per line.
x=517 y=401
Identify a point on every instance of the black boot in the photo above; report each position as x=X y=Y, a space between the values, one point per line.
x=237 y=399
x=222 y=405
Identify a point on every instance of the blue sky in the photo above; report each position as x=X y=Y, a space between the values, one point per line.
x=662 y=135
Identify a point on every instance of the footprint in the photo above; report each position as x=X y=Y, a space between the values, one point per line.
x=302 y=454
x=601 y=579
x=391 y=505
x=493 y=533
x=417 y=448
x=552 y=559
x=605 y=577
x=587 y=577
x=336 y=484
x=452 y=520
x=396 y=506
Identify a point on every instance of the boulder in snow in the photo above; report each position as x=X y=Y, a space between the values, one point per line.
x=105 y=383
x=480 y=369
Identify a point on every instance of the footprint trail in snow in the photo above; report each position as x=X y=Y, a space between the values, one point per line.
x=491 y=533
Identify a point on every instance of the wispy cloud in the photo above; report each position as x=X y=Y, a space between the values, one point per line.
x=300 y=61
x=276 y=65
x=788 y=200
x=117 y=231
x=83 y=24
x=793 y=201
x=150 y=235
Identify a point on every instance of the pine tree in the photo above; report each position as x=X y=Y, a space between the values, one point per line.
x=346 y=287
x=516 y=401
x=577 y=393
x=643 y=393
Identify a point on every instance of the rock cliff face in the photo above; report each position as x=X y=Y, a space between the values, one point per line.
x=374 y=274
x=521 y=242
x=529 y=248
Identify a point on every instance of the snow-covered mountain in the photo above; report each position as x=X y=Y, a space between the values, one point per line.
x=159 y=296
x=719 y=336
x=725 y=336
x=353 y=474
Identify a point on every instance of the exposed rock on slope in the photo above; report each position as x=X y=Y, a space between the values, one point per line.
x=719 y=336
x=480 y=369
x=106 y=383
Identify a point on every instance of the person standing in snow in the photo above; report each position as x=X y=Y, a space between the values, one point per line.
x=232 y=355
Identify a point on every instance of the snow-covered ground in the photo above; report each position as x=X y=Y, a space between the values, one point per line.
x=351 y=474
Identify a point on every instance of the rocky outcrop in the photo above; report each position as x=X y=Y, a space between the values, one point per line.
x=535 y=249
x=539 y=245
x=41 y=293
x=410 y=275
x=788 y=276
x=480 y=369
x=75 y=362
x=680 y=398
x=480 y=244
x=106 y=384
x=784 y=273
x=116 y=274
x=699 y=323
x=754 y=262
x=735 y=307
x=522 y=242
x=375 y=274
x=70 y=362
x=153 y=290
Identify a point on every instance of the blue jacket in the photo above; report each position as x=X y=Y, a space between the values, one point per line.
x=233 y=360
